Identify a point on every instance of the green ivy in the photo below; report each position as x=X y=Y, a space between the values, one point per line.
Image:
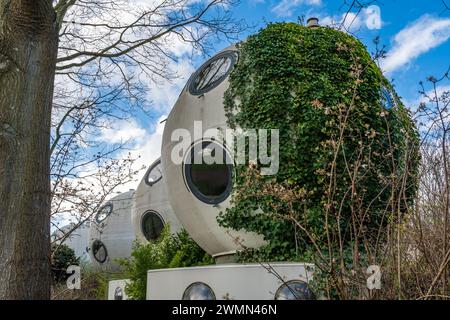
x=306 y=82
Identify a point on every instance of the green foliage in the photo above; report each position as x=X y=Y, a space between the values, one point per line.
x=100 y=290
x=100 y=282
x=341 y=151
x=62 y=257
x=169 y=251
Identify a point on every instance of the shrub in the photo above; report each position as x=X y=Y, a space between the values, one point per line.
x=62 y=257
x=169 y=251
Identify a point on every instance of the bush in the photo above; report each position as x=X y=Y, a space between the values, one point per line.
x=169 y=251
x=62 y=257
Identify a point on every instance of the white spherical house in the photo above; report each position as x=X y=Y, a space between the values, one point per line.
x=111 y=233
x=199 y=192
x=151 y=207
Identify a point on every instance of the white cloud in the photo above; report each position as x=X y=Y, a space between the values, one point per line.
x=122 y=131
x=373 y=17
x=369 y=18
x=413 y=104
x=352 y=21
x=425 y=123
x=177 y=44
x=144 y=144
x=147 y=149
x=162 y=93
x=286 y=7
x=417 y=38
x=144 y=139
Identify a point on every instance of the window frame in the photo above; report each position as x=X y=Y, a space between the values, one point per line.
x=146 y=213
x=190 y=183
x=118 y=290
x=101 y=244
x=111 y=208
x=231 y=54
x=198 y=283
x=309 y=295
x=147 y=174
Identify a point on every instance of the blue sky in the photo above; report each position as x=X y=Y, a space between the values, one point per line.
x=416 y=35
x=396 y=15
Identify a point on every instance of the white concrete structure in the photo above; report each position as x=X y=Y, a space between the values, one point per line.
x=112 y=232
x=232 y=282
x=116 y=290
x=198 y=197
x=78 y=240
x=151 y=206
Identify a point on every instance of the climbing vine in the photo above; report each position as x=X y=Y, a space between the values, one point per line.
x=347 y=161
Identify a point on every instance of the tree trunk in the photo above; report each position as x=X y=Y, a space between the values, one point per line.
x=28 y=49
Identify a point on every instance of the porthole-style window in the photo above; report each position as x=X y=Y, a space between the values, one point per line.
x=152 y=225
x=154 y=173
x=104 y=212
x=118 y=294
x=294 y=290
x=208 y=172
x=99 y=251
x=387 y=98
x=199 y=291
x=212 y=73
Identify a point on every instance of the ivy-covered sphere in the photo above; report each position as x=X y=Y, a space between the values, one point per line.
x=348 y=146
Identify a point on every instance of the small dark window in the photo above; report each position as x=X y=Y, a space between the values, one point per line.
x=99 y=251
x=199 y=291
x=152 y=225
x=387 y=98
x=212 y=73
x=104 y=212
x=154 y=173
x=294 y=290
x=208 y=172
x=118 y=294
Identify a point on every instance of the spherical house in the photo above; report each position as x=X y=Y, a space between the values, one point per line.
x=333 y=109
x=151 y=208
x=345 y=140
x=199 y=192
x=112 y=234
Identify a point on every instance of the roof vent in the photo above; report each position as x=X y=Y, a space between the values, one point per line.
x=312 y=22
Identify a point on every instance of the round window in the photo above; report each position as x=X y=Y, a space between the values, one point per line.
x=199 y=291
x=154 y=173
x=212 y=73
x=152 y=225
x=104 y=212
x=118 y=294
x=387 y=99
x=99 y=251
x=208 y=172
x=294 y=290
